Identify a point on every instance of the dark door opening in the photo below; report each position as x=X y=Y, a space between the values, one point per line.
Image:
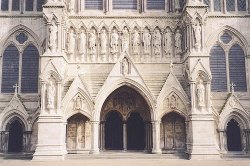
x=15 y=143
x=233 y=136
x=114 y=131
x=135 y=132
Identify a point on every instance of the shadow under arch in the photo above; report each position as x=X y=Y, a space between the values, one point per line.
x=106 y=91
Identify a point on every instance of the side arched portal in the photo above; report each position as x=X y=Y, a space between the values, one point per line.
x=173 y=132
x=234 y=142
x=78 y=134
x=15 y=141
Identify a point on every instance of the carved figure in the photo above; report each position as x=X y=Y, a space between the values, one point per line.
x=71 y=42
x=173 y=102
x=53 y=37
x=146 y=41
x=78 y=103
x=157 y=42
x=197 y=35
x=136 y=42
x=125 y=40
x=178 y=37
x=114 y=42
x=103 y=39
x=168 y=41
x=125 y=66
x=177 y=6
x=92 y=42
x=51 y=92
x=82 y=42
x=71 y=5
x=200 y=92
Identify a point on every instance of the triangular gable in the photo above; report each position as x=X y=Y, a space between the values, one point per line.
x=172 y=85
x=53 y=66
x=231 y=103
x=14 y=106
x=125 y=71
x=199 y=67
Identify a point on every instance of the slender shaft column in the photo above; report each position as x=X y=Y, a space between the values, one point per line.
x=222 y=140
x=156 y=137
x=247 y=139
x=43 y=91
x=95 y=137
x=124 y=136
x=102 y=135
x=26 y=141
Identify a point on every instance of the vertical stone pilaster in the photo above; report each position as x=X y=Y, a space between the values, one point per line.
x=222 y=135
x=95 y=137
x=156 y=137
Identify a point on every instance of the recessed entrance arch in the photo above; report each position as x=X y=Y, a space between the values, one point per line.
x=233 y=136
x=173 y=132
x=125 y=121
x=15 y=142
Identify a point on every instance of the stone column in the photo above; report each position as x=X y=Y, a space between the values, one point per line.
x=148 y=135
x=95 y=137
x=192 y=91
x=26 y=141
x=102 y=135
x=156 y=137
x=59 y=98
x=124 y=136
x=247 y=131
x=43 y=99
x=222 y=133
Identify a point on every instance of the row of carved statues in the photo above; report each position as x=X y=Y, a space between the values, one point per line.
x=104 y=45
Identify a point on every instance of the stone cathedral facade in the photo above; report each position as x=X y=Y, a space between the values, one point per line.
x=158 y=76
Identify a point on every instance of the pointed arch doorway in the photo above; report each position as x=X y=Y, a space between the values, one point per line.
x=15 y=141
x=233 y=136
x=125 y=121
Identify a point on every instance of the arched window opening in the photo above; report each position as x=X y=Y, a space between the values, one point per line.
x=15 y=5
x=230 y=6
x=156 y=4
x=39 y=6
x=4 y=5
x=10 y=69
x=30 y=66
x=241 y=4
x=29 y=5
x=94 y=4
x=218 y=69
x=217 y=5
x=125 y=4
x=237 y=69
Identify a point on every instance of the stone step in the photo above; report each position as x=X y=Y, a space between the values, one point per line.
x=125 y=155
x=19 y=156
x=235 y=155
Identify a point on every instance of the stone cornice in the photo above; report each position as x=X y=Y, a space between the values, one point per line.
x=124 y=17
x=21 y=15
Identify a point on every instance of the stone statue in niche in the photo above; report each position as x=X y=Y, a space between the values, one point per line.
x=197 y=35
x=92 y=42
x=157 y=42
x=135 y=42
x=53 y=37
x=177 y=6
x=125 y=66
x=82 y=42
x=71 y=42
x=177 y=38
x=125 y=40
x=103 y=43
x=168 y=42
x=71 y=6
x=51 y=93
x=114 y=42
x=173 y=102
x=78 y=103
x=146 y=41
x=200 y=93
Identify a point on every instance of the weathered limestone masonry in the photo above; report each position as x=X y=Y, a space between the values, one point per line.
x=174 y=80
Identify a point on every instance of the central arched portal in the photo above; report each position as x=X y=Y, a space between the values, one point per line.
x=125 y=121
x=15 y=143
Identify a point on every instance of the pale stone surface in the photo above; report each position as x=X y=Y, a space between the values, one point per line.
x=86 y=55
